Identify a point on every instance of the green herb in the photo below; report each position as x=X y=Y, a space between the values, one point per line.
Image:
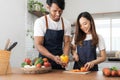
x=114 y=68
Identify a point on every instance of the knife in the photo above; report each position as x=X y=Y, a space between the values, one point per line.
x=12 y=46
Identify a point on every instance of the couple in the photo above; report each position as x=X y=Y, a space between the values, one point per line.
x=52 y=30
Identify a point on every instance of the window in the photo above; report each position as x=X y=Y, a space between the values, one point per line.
x=116 y=34
x=103 y=28
x=109 y=27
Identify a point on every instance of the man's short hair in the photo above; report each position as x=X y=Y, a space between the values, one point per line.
x=60 y=3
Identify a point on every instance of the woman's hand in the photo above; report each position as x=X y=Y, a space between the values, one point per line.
x=89 y=65
x=75 y=57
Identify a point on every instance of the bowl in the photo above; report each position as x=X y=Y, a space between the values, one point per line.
x=36 y=70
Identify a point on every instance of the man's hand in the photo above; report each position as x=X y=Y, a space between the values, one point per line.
x=57 y=60
x=64 y=65
x=75 y=57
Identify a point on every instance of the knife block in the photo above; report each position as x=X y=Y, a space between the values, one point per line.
x=4 y=61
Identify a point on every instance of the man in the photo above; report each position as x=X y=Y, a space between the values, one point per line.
x=50 y=32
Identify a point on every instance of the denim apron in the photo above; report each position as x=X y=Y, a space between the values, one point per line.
x=53 y=41
x=86 y=53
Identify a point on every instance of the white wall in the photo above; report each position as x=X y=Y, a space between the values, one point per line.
x=12 y=26
x=74 y=7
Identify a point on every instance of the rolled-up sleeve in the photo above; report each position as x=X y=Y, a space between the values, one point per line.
x=39 y=28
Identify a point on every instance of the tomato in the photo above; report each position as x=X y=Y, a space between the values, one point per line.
x=118 y=71
x=47 y=64
x=45 y=59
x=38 y=65
x=27 y=60
x=64 y=58
x=106 y=71
x=114 y=73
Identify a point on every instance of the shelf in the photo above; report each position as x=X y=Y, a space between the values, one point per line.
x=113 y=59
x=38 y=13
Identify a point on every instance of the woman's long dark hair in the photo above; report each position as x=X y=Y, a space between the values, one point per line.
x=80 y=35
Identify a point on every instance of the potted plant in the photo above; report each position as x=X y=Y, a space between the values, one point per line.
x=36 y=8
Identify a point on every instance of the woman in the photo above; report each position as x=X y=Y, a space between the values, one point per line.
x=85 y=42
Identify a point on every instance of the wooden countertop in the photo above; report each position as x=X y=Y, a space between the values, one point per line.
x=55 y=75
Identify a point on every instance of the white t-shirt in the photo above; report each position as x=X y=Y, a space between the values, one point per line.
x=101 y=43
x=40 y=26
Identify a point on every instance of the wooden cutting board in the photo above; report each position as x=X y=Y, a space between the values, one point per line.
x=76 y=72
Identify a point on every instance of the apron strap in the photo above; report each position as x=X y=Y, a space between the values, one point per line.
x=62 y=23
x=46 y=22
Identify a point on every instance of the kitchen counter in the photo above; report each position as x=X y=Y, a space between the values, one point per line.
x=16 y=74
